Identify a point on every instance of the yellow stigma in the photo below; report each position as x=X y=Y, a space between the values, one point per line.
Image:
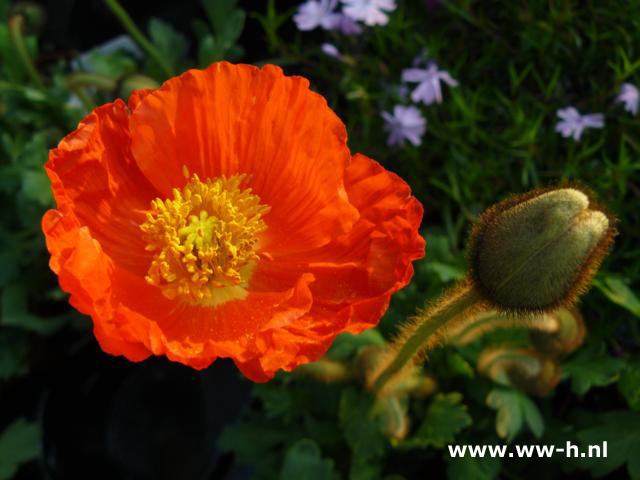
x=204 y=240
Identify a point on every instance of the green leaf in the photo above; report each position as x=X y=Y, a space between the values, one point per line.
x=254 y=443
x=629 y=385
x=362 y=434
x=445 y=418
x=619 y=293
x=14 y=348
x=209 y=51
x=218 y=11
x=10 y=266
x=441 y=260
x=232 y=29
x=304 y=460
x=346 y=345
x=113 y=64
x=592 y=367
x=458 y=365
x=515 y=409
x=473 y=468
x=621 y=431
x=14 y=312
x=19 y=443
x=532 y=416
x=172 y=45
x=276 y=400
x=36 y=187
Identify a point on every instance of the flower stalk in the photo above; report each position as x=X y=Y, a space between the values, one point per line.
x=138 y=36
x=427 y=329
x=16 y=28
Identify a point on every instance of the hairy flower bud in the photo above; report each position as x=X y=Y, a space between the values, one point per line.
x=539 y=250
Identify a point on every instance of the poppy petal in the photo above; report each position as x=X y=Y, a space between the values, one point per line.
x=231 y=119
x=95 y=179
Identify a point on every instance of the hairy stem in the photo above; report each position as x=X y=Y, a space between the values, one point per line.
x=428 y=324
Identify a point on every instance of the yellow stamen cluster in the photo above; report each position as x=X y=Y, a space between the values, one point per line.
x=204 y=239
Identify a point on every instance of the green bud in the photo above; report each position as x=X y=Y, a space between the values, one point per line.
x=534 y=252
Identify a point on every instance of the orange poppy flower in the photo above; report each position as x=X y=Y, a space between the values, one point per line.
x=222 y=215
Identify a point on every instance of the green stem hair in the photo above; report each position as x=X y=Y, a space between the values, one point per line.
x=418 y=337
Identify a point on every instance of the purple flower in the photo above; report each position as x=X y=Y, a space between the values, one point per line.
x=629 y=96
x=572 y=123
x=316 y=13
x=371 y=12
x=406 y=123
x=346 y=25
x=428 y=89
x=331 y=50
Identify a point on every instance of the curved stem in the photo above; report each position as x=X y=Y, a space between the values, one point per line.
x=138 y=36
x=81 y=79
x=16 y=24
x=429 y=324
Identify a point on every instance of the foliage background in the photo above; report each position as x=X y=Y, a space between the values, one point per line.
x=517 y=63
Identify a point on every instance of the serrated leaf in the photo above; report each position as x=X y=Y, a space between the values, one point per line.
x=619 y=293
x=14 y=348
x=113 y=64
x=232 y=29
x=445 y=417
x=218 y=12
x=209 y=51
x=629 y=385
x=441 y=260
x=15 y=314
x=592 y=367
x=515 y=409
x=621 y=431
x=252 y=442
x=458 y=365
x=276 y=400
x=10 y=266
x=19 y=443
x=304 y=460
x=362 y=433
x=532 y=416
x=346 y=345
x=172 y=45
x=36 y=187
x=473 y=468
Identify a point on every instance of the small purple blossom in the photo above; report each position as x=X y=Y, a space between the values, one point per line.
x=331 y=50
x=371 y=12
x=572 y=124
x=629 y=96
x=406 y=123
x=428 y=80
x=316 y=13
x=346 y=25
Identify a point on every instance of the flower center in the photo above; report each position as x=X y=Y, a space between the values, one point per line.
x=204 y=240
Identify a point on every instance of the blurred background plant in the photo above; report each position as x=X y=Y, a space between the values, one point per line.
x=468 y=101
